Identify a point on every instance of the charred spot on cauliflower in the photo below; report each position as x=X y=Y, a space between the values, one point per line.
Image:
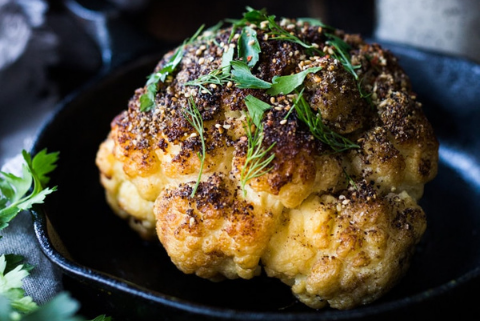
x=338 y=224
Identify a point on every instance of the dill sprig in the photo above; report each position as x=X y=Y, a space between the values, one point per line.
x=256 y=161
x=193 y=116
x=281 y=34
x=216 y=76
x=314 y=122
x=341 y=52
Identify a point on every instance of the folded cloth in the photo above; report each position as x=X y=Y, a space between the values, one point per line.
x=26 y=99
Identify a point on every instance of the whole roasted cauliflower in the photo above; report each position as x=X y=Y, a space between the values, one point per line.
x=283 y=145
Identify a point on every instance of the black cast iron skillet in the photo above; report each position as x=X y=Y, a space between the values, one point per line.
x=111 y=270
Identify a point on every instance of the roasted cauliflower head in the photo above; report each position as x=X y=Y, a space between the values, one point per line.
x=282 y=145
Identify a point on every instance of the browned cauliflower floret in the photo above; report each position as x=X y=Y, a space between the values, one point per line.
x=338 y=223
x=347 y=250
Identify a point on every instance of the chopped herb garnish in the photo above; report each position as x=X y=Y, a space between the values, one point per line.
x=248 y=46
x=256 y=160
x=251 y=16
x=286 y=84
x=193 y=116
x=321 y=132
x=147 y=100
x=216 y=76
x=256 y=108
x=244 y=78
x=13 y=189
x=281 y=34
x=341 y=52
x=350 y=180
x=227 y=58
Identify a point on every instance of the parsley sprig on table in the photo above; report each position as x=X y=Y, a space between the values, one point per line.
x=14 y=189
x=14 y=198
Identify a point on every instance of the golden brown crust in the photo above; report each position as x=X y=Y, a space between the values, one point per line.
x=339 y=228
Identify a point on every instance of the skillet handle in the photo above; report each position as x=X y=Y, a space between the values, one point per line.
x=118 y=40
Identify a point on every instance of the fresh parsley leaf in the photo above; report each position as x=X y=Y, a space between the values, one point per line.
x=256 y=160
x=60 y=308
x=193 y=116
x=256 y=109
x=254 y=16
x=14 y=189
x=14 y=260
x=286 y=84
x=11 y=282
x=227 y=58
x=244 y=78
x=147 y=100
x=314 y=22
x=248 y=46
x=321 y=132
x=251 y=16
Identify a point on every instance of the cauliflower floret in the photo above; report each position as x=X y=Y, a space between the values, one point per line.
x=338 y=227
x=347 y=250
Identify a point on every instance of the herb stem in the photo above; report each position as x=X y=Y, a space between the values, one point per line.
x=193 y=116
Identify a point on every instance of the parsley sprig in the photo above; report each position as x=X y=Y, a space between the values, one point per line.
x=193 y=116
x=147 y=100
x=14 y=197
x=14 y=189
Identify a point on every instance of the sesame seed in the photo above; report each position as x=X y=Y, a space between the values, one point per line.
x=201 y=60
x=272 y=100
x=283 y=122
x=229 y=84
x=193 y=135
x=203 y=47
x=279 y=108
x=265 y=37
x=204 y=91
x=213 y=86
x=251 y=42
x=218 y=125
x=227 y=126
x=198 y=52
